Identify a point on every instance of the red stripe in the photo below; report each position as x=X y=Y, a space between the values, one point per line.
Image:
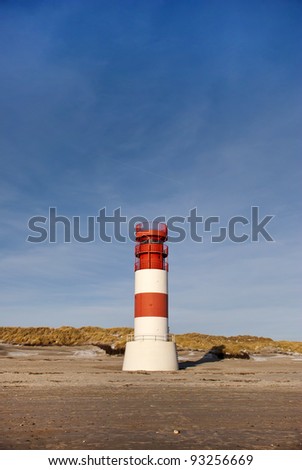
x=151 y=304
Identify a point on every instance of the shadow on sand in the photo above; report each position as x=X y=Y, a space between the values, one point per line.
x=216 y=353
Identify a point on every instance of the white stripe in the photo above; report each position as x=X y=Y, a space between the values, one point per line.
x=150 y=326
x=151 y=280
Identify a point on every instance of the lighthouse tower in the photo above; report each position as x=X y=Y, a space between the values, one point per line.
x=151 y=347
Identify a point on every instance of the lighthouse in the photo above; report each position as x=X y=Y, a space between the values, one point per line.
x=151 y=347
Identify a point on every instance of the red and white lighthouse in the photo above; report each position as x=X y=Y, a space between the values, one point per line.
x=151 y=347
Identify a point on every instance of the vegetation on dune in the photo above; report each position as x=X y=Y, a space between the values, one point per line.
x=236 y=344
x=117 y=337
x=64 y=336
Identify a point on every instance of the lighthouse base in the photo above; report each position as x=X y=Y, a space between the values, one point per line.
x=150 y=355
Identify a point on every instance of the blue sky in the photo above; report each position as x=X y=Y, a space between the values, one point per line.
x=155 y=107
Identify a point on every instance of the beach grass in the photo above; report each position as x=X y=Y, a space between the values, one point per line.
x=117 y=338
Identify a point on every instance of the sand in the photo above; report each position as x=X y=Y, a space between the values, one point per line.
x=78 y=398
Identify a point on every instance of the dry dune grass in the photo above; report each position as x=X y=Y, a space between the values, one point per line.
x=236 y=344
x=64 y=336
x=117 y=337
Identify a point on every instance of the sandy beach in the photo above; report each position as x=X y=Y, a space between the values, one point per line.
x=78 y=398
